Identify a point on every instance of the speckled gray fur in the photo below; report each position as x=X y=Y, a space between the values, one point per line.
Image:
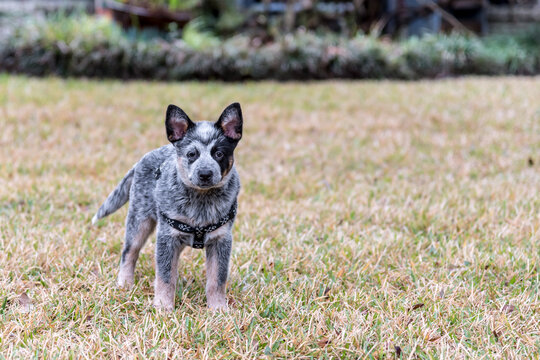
x=197 y=185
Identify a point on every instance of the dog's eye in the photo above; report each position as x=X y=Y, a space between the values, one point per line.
x=192 y=155
x=218 y=154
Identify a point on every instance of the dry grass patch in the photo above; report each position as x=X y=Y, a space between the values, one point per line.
x=376 y=220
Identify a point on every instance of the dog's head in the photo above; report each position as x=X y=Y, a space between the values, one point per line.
x=205 y=149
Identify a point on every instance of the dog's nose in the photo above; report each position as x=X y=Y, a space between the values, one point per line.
x=205 y=175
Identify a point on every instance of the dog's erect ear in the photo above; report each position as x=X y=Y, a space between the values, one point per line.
x=177 y=123
x=230 y=121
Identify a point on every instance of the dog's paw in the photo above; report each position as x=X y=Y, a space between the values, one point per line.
x=163 y=305
x=125 y=282
x=218 y=305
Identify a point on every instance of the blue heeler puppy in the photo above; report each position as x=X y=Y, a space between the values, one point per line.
x=189 y=189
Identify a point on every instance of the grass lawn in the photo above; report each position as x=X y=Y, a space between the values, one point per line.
x=376 y=219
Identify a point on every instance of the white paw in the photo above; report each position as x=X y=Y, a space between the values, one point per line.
x=218 y=305
x=163 y=305
x=125 y=281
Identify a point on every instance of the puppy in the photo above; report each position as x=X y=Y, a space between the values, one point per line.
x=188 y=189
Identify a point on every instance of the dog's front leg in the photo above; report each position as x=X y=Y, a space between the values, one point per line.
x=217 y=270
x=168 y=249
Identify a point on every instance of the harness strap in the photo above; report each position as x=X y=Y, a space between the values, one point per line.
x=200 y=232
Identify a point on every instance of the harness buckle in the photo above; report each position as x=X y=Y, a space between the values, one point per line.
x=198 y=238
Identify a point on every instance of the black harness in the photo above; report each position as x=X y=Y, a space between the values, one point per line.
x=199 y=232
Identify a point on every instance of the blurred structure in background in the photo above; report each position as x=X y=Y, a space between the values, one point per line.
x=393 y=17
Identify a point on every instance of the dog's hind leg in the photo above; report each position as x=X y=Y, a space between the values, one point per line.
x=137 y=232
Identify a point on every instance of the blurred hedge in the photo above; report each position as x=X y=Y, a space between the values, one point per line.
x=92 y=47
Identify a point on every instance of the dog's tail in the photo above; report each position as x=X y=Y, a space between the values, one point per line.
x=117 y=198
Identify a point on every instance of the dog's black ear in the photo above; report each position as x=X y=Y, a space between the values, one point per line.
x=230 y=121
x=177 y=123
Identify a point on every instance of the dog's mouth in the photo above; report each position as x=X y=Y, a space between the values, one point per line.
x=205 y=184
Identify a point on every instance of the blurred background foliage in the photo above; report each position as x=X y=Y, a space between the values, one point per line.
x=220 y=40
x=169 y=4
